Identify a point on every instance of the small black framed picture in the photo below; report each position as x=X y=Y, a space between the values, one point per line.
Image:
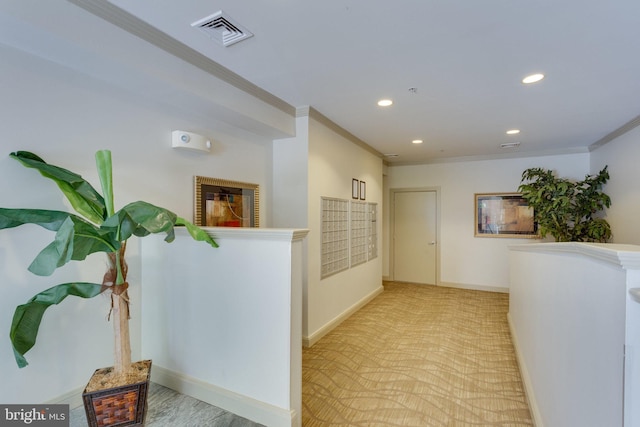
x=355 y=187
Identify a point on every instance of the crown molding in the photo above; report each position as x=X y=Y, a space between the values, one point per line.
x=630 y=125
x=513 y=155
x=312 y=113
x=133 y=25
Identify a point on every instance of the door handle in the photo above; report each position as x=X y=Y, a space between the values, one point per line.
x=432 y=243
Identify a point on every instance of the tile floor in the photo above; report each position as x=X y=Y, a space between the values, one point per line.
x=169 y=408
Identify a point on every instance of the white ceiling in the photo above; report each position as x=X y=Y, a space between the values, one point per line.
x=465 y=57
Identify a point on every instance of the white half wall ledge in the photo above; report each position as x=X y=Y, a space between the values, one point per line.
x=287 y=234
x=625 y=256
x=574 y=315
x=225 y=325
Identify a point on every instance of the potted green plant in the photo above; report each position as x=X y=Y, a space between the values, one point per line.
x=97 y=227
x=566 y=209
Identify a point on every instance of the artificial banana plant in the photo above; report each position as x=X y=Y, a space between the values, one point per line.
x=97 y=227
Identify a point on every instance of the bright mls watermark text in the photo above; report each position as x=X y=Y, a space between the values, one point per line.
x=34 y=415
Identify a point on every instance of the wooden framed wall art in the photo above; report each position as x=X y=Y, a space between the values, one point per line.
x=223 y=203
x=503 y=215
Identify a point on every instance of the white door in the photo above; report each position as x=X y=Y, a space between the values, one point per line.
x=414 y=239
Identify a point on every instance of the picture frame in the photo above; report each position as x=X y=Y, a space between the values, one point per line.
x=355 y=188
x=503 y=215
x=224 y=203
x=363 y=190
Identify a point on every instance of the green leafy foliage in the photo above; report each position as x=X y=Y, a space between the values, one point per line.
x=96 y=228
x=105 y=172
x=196 y=232
x=82 y=196
x=567 y=210
x=141 y=219
x=27 y=317
x=75 y=238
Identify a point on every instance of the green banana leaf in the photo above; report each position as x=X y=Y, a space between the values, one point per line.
x=141 y=219
x=105 y=173
x=196 y=232
x=51 y=220
x=82 y=196
x=75 y=238
x=27 y=317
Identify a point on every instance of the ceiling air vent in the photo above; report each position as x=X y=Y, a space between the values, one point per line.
x=510 y=145
x=222 y=29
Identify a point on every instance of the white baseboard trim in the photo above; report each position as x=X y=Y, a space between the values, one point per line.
x=72 y=398
x=475 y=287
x=315 y=337
x=526 y=379
x=243 y=406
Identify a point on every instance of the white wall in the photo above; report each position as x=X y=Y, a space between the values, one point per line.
x=469 y=261
x=333 y=162
x=230 y=333
x=621 y=155
x=320 y=162
x=65 y=116
x=568 y=314
x=291 y=178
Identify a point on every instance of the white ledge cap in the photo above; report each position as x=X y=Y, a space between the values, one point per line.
x=625 y=256
x=251 y=233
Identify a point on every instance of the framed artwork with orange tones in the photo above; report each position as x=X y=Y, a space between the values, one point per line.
x=223 y=203
x=503 y=215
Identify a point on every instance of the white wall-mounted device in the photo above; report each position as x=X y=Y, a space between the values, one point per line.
x=189 y=141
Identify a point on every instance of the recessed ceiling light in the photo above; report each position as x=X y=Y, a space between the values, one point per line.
x=533 y=78
x=385 y=102
x=513 y=131
x=417 y=141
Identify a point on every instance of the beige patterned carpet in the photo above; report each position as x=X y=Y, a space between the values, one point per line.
x=417 y=355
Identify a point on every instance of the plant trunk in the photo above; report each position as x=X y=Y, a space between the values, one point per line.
x=116 y=279
x=122 y=344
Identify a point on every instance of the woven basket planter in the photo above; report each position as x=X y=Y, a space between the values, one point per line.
x=121 y=406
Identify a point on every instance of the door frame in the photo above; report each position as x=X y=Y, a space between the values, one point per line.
x=392 y=226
